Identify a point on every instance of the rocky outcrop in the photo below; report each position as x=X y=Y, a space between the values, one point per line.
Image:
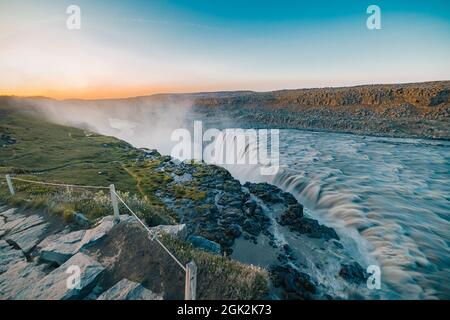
x=48 y=271
x=59 y=248
x=419 y=110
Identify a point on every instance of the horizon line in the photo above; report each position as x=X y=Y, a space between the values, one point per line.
x=219 y=91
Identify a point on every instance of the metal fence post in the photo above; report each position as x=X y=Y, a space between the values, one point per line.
x=190 y=289
x=10 y=185
x=114 y=202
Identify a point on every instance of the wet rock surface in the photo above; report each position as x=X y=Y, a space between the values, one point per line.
x=297 y=285
x=353 y=273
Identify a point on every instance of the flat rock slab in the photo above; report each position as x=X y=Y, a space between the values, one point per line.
x=16 y=282
x=16 y=274
x=57 y=285
x=28 y=238
x=10 y=214
x=9 y=256
x=27 y=223
x=60 y=249
x=10 y=225
x=128 y=290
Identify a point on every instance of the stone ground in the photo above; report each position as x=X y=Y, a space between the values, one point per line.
x=38 y=254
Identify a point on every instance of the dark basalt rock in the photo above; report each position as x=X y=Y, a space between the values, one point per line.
x=294 y=219
x=204 y=244
x=353 y=273
x=296 y=285
x=252 y=227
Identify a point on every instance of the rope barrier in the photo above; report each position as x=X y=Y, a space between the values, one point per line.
x=59 y=184
x=190 y=269
x=152 y=234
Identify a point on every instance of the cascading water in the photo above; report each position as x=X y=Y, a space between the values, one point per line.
x=387 y=198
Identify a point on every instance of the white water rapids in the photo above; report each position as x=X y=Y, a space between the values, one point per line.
x=389 y=199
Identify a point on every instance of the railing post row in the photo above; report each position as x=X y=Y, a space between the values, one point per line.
x=10 y=185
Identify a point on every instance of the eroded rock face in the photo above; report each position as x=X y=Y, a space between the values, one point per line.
x=128 y=290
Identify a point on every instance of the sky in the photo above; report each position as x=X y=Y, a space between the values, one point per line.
x=132 y=48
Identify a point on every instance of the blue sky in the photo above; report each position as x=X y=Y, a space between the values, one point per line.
x=139 y=47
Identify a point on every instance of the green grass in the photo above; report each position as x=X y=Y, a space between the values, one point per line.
x=237 y=281
x=72 y=156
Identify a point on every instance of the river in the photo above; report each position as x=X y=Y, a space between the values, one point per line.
x=388 y=199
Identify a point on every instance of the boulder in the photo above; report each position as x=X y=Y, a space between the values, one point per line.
x=204 y=244
x=55 y=286
x=128 y=290
x=178 y=231
x=99 y=231
x=81 y=220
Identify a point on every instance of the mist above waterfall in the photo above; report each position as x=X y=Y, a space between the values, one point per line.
x=144 y=122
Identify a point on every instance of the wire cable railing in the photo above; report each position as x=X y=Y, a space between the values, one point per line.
x=190 y=269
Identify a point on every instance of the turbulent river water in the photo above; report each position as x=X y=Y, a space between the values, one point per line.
x=389 y=199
